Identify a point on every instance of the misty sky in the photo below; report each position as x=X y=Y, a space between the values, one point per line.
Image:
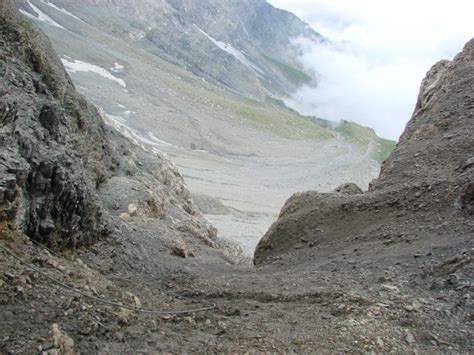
x=380 y=53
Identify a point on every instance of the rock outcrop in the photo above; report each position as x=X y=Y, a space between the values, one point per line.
x=427 y=180
x=66 y=176
x=54 y=147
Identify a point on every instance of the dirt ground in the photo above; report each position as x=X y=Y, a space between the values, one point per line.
x=380 y=297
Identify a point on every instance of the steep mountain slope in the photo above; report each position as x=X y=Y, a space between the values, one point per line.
x=235 y=144
x=66 y=176
x=71 y=184
x=241 y=45
x=46 y=191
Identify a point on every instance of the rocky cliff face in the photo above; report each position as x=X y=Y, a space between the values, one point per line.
x=424 y=189
x=65 y=176
x=55 y=151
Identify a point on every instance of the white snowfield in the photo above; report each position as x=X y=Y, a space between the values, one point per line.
x=227 y=47
x=42 y=17
x=74 y=65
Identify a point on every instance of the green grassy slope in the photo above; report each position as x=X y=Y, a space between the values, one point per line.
x=364 y=136
x=294 y=75
x=283 y=122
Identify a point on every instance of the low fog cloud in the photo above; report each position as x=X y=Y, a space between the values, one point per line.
x=379 y=52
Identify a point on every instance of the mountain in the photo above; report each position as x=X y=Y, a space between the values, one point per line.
x=244 y=46
x=102 y=250
x=201 y=82
x=66 y=176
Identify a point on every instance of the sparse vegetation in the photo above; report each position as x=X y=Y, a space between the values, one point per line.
x=293 y=74
x=364 y=135
x=384 y=149
x=284 y=123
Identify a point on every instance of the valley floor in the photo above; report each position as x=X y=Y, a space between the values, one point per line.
x=242 y=194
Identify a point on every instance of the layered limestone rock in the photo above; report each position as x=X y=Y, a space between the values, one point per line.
x=54 y=147
x=426 y=181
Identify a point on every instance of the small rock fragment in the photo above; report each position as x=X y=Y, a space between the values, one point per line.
x=390 y=288
x=132 y=210
x=190 y=320
x=380 y=342
x=136 y=302
x=180 y=249
x=61 y=340
x=416 y=305
x=123 y=316
x=410 y=339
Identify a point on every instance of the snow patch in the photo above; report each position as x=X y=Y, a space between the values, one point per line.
x=75 y=65
x=228 y=48
x=120 y=124
x=158 y=141
x=117 y=68
x=64 y=11
x=42 y=17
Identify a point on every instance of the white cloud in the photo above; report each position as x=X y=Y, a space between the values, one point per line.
x=382 y=51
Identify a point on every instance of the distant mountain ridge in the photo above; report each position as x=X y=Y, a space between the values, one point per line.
x=245 y=46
